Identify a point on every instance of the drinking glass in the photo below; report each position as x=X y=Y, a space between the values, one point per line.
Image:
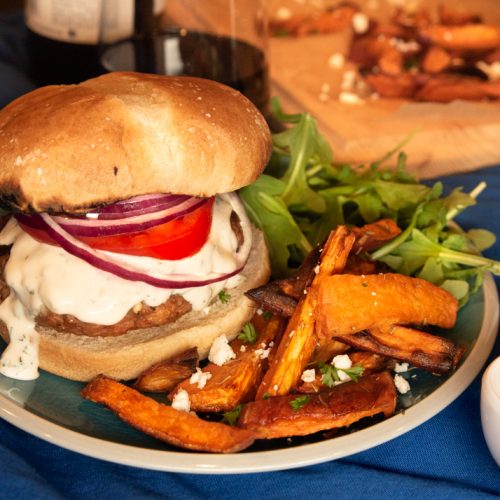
x=222 y=40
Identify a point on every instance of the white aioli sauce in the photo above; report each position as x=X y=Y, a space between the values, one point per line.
x=42 y=276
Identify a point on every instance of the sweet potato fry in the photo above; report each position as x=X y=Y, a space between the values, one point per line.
x=429 y=352
x=448 y=88
x=339 y=407
x=335 y=253
x=367 y=50
x=450 y=17
x=295 y=286
x=330 y=21
x=231 y=384
x=401 y=86
x=469 y=37
x=348 y=304
x=299 y=339
x=164 y=422
x=281 y=296
x=236 y=381
x=356 y=264
x=326 y=349
x=293 y=352
x=271 y=298
x=372 y=236
x=370 y=361
x=436 y=60
x=391 y=62
x=165 y=375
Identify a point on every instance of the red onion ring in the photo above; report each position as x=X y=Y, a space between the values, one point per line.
x=125 y=224
x=136 y=206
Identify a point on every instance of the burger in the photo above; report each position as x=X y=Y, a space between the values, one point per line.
x=126 y=243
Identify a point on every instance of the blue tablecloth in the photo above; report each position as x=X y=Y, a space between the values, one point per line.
x=446 y=457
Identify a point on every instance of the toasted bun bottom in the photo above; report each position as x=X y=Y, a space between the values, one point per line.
x=77 y=357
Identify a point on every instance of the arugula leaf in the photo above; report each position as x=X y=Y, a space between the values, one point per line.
x=231 y=417
x=269 y=213
x=481 y=238
x=299 y=402
x=248 y=333
x=303 y=144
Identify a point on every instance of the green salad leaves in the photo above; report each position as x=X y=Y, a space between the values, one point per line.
x=304 y=193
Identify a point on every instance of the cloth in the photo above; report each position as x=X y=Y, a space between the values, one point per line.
x=446 y=457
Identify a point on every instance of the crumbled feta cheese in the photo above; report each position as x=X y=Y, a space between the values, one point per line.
x=316 y=269
x=343 y=377
x=181 y=401
x=243 y=348
x=401 y=367
x=402 y=385
x=308 y=375
x=360 y=23
x=336 y=61
x=221 y=352
x=200 y=378
x=259 y=311
x=492 y=70
x=262 y=353
x=350 y=98
x=275 y=387
x=403 y=45
x=342 y=361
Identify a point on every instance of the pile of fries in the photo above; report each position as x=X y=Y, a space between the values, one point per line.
x=338 y=304
x=426 y=56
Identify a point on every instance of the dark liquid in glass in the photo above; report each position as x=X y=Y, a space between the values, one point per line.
x=191 y=53
x=55 y=62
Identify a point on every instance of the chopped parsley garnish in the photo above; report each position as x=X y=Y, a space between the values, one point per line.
x=231 y=417
x=248 y=334
x=224 y=297
x=299 y=402
x=330 y=374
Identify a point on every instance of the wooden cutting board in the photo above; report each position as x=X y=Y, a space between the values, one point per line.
x=447 y=138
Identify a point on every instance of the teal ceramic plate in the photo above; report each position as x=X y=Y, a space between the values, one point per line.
x=52 y=409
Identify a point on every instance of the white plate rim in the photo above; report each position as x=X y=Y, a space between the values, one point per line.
x=266 y=461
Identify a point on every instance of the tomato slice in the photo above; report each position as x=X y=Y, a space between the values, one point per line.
x=176 y=239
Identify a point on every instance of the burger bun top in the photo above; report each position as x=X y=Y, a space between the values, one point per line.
x=73 y=147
